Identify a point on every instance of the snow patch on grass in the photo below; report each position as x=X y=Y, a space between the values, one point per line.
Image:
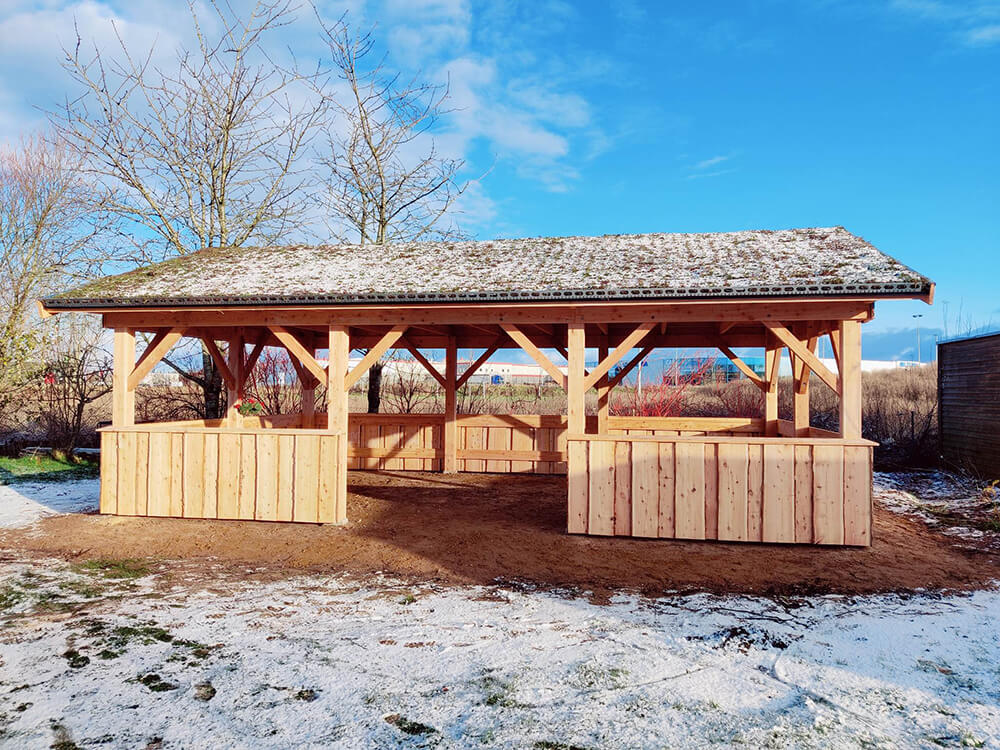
x=335 y=661
x=25 y=503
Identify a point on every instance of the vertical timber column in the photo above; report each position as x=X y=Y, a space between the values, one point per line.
x=576 y=422
x=337 y=406
x=450 y=433
x=123 y=398
x=603 y=394
x=236 y=367
x=800 y=390
x=850 y=379
x=309 y=398
x=772 y=363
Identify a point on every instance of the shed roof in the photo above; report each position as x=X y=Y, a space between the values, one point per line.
x=817 y=262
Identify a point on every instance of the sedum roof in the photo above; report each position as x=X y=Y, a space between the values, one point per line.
x=748 y=264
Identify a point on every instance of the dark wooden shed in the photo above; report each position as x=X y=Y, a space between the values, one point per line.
x=969 y=402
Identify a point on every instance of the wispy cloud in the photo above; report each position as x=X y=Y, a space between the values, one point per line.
x=705 y=164
x=703 y=175
x=974 y=23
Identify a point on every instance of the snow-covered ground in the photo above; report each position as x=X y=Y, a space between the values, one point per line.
x=222 y=661
x=26 y=502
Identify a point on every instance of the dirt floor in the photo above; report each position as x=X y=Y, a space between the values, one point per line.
x=482 y=529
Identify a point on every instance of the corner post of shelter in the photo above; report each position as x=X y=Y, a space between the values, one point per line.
x=450 y=432
x=337 y=414
x=123 y=396
x=800 y=390
x=849 y=337
x=576 y=422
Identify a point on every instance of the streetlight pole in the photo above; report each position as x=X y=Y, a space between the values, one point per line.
x=917 y=318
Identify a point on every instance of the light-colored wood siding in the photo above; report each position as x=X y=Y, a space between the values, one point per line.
x=213 y=472
x=786 y=490
x=969 y=403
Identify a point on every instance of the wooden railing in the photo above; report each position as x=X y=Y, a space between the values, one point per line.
x=190 y=470
x=492 y=443
x=783 y=489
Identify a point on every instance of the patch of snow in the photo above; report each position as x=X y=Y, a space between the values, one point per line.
x=327 y=661
x=25 y=503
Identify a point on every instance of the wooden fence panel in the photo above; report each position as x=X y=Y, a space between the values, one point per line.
x=734 y=489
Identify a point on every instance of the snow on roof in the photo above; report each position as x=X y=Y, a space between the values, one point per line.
x=748 y=264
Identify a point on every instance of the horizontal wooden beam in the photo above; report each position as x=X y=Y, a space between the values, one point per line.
x=474 y=314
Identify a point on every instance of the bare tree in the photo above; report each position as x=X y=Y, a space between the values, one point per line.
x=77 y=372
x=208 y=153
x=386 y=180
x=49 y=217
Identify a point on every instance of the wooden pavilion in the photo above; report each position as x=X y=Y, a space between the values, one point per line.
x=737 y=479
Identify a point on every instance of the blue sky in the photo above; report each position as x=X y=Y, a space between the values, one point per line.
x=882 y=116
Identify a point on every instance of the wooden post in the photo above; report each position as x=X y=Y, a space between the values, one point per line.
x=772 y=364
x=800 y=402
x=123 y=398
x=309 y=398
x=337 y=410
x=576 y=418
x=235 y=361
x=850 y=378
x=603 y=395
x=450 y=433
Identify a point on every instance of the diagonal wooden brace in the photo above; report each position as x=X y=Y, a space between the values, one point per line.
x=535 y=353
x=374 y=354
x=431 y=369
x=627 y=344
x=298 y=351
x=471 y=369
x=164 y=340
x=801 y=350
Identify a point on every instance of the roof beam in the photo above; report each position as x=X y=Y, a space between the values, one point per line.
x=535 y=353
x=298 y=351
x=431 y=369
x=627 y=344
x=162 y=342
x=742 y=366
x=471 y=369
x=800 y=349
x=374 y=354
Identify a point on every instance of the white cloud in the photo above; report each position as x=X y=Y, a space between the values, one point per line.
x=983 y=35
x=705 y=164
x=973 y=23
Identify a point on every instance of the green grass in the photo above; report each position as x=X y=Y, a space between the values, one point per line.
x=126 y=569
x=46 y=469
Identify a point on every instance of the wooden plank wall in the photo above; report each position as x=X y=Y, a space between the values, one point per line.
x=493 y=443
x=741 y=490
x=261 y=475
x=969 y=403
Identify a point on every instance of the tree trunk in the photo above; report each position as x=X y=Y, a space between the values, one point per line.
x=211 y=387
x=374 y=388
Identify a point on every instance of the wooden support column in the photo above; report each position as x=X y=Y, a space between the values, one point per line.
x=772 y=363
x=850 y=378
x=800 y=391
x=337 y=411
x=123 y=397
x=236 y=367
x=450 y=433
x=603 y=395
x=577 y=479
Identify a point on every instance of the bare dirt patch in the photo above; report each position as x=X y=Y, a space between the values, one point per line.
x=481 y=529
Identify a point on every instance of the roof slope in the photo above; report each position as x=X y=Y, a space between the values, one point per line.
x=749 y=264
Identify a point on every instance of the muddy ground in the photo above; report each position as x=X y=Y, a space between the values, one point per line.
x=480 y=529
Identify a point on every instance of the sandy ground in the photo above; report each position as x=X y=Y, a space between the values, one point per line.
x=478 y=529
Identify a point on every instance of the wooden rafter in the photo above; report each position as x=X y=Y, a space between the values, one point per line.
x=220 y=361
x=374 y=354
x=162 y=342
x=627 y=344
x=726 y=327
x=299 y=352
x=431 y=369
x=534 y=352
x=801 y=350
x=624 y=371
x=742 y=366
x=258 y=349
x=471 y=369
